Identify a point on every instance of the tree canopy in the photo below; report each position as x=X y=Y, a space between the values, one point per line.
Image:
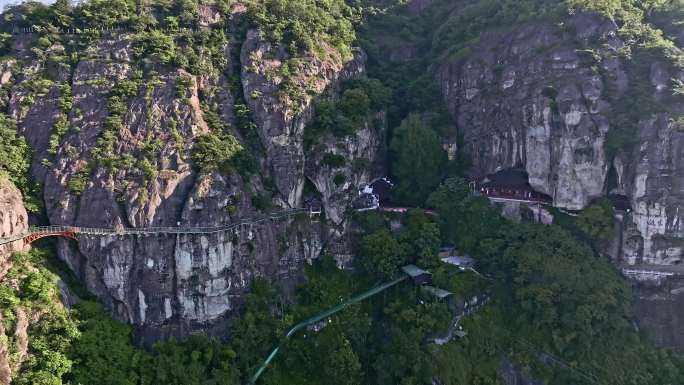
x=417 y=161
x=596 y=221
x=380 y=254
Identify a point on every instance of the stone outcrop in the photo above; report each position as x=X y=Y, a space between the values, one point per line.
x=13 y=221
x=530 y=98
x=660 y=310
x=527 y=98
x=174 y=285
x=545 y=98
x=655 y=229
x=281 y=118
x=337 y=186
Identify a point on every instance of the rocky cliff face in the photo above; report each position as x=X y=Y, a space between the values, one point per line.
x=534 y=98
x=549 y=97
x=655 y=232
x=545 y=98
x=174 y=285
x=660 y=311
x=281 y=121
x=528 y=99
x=13 y=221
x=339 y=185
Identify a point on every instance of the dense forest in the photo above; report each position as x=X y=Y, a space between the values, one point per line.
x=559 y=311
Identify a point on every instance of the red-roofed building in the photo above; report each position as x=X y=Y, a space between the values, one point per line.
x=513 y=184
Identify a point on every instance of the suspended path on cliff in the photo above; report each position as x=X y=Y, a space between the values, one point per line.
x=72 y=232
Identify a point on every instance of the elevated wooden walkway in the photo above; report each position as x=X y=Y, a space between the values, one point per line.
x=72 y=232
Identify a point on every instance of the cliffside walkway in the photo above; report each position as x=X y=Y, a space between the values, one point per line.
x=652 y=272
x=72 y=232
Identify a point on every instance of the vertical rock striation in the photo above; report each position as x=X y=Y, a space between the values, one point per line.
x=527 y=98
x=13 y=221
x=547 y=97
x=174 y=285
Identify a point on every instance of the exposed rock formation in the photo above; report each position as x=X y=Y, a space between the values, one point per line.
x=364 y=148
x=175 y=285
x=655 y=230
x=13 y=221
x=528 y=99
x=281 y=120
x=660 y=311
x=536 y=97
x=11 y=357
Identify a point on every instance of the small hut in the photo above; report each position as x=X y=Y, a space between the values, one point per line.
x=462 y=261
x=439 y=294
x=417 y=275
x=511 y=183
x=314 y=205
x=372 y=195
x=382 y=188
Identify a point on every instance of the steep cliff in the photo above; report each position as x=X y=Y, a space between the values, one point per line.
x=13 y=221
x=546 y=98
x=552 y=99
x=528 y=99
x=124 y=137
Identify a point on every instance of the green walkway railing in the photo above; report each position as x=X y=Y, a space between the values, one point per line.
x=318 y=317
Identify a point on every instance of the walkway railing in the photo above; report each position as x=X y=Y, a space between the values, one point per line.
x=318 y=317
x=43 y=231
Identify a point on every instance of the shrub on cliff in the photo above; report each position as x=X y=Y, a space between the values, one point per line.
x=14 y=153
x=215 y=151
x=302 y=25
x=28 y=292
x=15 y=162
x=360 y=99
x=464 y=220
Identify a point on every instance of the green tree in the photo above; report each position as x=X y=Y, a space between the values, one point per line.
x=339 y=363
x=378 y=95
x=421 y=239
x=561 y=286
x=257 y=330
x=402 y=357
x=199 y=360
x=596 y=221
x=15 y=154
x=306 y=25
x=355 y=104
x=52 y=329
x=104 y=354
x=5 y=39
x=417 y=161
x=380 y=254
x=464 y=220
x=215 y=151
